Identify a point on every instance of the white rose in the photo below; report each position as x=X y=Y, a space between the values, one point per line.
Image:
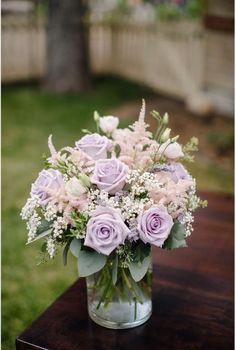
x=74 y=187
x=108 y=124
x=173 y=151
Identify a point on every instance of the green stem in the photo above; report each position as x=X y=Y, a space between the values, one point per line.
x=104 y=293
x=135 y=309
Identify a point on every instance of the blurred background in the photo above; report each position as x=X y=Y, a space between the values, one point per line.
x=61 y=60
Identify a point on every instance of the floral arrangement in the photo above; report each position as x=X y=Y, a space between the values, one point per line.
x=112 y=196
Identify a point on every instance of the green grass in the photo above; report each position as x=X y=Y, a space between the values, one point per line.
x=29 y=116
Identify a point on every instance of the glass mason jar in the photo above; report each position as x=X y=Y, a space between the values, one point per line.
x=126 y=304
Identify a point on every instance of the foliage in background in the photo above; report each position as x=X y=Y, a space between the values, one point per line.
x=175 y=10
x=161 y=9
x=223 y=141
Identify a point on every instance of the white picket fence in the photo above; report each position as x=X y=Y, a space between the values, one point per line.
x=166 y=57
x=170 y=57
x=23 y=49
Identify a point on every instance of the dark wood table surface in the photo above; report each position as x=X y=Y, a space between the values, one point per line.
x=193 y=298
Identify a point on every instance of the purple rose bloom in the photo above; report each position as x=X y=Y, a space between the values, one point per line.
x=154 y=225
x=105 y=230
x=178 y=172
x=94 y=145
x=47 y=180
x=109 y=175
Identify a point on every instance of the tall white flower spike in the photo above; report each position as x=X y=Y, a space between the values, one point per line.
x=142 y=111
x=51 y=146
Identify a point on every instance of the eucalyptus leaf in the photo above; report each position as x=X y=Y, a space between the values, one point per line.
x=140 y=251
x=176 y=238
x=115 y=270
x=75 y=247
x=90 y=262
x=44 y=226
x=139 y=269
x=41 y=235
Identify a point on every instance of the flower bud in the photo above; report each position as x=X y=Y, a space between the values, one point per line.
x=84 y=179
x=96 y=116
x=165 y=119
x=85 y=131
x=74 y=187
x=165 y=136
x=108 y=124
x=174 y=139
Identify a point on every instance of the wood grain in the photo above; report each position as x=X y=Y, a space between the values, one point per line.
x=192 y=298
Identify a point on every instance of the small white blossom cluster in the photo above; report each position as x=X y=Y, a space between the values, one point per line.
x=29 y=213
x=142 y=182
x=33 y=223
x=51 y=212
x=29 y=208
x=187 y=220
x=172 y=207
x=59 y=225
x=51 y=247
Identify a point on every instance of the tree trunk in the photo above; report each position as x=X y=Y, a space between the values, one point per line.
x=67 y=61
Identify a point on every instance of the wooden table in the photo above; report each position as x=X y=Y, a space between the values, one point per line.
x=192 y=298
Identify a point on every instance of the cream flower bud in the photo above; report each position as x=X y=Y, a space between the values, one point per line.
x=108 y=124
x=96 y=116
x=174 y=139
x=74 y=187
x=165 y=136
x=165 y=119
x=85 y=180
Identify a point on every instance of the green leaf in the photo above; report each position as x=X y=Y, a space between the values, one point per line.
x=114 y=270
x=65 y=252
x=139 y=269
x=44 y=226
x=43 y=234
x=90 y=262
x=140 y=251
x=44 y=247
x=75 y=247
x=176 y=238
x=117 y=150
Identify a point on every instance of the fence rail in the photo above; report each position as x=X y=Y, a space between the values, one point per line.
x=172 y=58
x=166 y=57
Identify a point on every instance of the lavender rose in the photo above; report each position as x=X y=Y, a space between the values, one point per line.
x=154 y=225
x=178 y=172
x=105 y=230
x=47 y=181
x=109 y=175
x=94 y=145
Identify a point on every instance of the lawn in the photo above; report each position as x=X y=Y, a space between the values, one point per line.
x=29 y=116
